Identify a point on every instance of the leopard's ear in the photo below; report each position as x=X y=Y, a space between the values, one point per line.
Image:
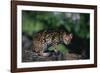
x=71 y=35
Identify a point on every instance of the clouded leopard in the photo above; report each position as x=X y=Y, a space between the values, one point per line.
x=46 y=38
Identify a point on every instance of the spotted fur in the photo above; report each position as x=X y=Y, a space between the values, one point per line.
x=43 y=39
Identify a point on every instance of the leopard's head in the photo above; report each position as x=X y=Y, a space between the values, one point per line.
x=67 y=38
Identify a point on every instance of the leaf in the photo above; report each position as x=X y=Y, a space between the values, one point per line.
x=59 y=47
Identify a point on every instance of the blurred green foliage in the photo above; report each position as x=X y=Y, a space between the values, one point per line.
x=60 y=47
x=76 y=23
